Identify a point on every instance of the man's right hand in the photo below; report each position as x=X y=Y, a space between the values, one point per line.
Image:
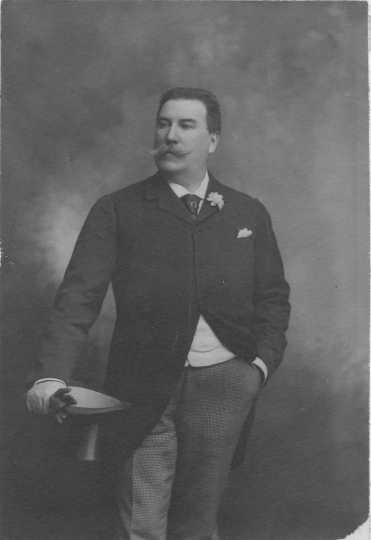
x=49 y=397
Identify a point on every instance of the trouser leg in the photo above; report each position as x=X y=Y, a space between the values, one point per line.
x=211 y=411
x=144 y=483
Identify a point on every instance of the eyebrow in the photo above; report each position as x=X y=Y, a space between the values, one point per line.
x=189 y=120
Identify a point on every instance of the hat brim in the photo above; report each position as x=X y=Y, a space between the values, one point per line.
x=91 y=402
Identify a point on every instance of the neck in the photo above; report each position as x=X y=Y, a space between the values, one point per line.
x=191 y=181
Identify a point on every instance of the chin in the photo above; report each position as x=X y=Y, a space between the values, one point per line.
x=168 y=166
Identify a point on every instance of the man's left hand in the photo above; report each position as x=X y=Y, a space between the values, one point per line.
x=255 y=379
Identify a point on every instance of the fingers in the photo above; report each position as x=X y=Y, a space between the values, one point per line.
x=50 y=398
x=61 y=416
x=58 y=403
x=38 y=396
x=61 y=399
x=63 y=395
x=33 y=403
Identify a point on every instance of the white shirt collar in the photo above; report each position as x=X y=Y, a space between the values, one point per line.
x=180 y=191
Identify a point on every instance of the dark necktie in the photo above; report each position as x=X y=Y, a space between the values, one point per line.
x=192 y=203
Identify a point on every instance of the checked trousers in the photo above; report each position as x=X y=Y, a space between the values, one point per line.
x=171 y=487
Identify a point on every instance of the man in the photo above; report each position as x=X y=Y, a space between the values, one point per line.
x=202 y=308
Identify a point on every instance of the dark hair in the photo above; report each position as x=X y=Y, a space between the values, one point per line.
x=213 y=117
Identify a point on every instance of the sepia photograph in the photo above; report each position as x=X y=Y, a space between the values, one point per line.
x=185 y=270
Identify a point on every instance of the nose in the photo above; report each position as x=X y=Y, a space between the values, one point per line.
x=172 y=134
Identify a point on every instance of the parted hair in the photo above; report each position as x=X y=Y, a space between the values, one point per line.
x=214 y=122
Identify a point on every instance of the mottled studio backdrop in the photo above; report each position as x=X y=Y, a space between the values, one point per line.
x=80 y=87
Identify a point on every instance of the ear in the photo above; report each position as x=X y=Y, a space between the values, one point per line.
x=214 y=140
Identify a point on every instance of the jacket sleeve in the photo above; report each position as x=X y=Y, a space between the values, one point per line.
x=271 y=294
x=79 y=298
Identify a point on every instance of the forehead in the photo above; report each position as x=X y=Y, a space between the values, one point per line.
x=184 y=108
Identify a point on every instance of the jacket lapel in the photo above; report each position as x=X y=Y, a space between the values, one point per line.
x=158 y=189
x=167 y=201
x=207 y=210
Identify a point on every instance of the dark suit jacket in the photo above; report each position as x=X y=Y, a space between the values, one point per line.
x=166 y=269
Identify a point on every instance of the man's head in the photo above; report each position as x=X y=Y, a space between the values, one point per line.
x=188 y=125
x=211 y=104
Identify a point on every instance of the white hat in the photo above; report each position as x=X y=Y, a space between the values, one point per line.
x=92 y=402
x=89 y=402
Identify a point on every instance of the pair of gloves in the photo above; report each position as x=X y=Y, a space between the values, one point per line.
x=49 y=397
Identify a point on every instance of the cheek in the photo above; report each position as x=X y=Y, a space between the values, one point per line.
x=159 y=136
x=202 y=147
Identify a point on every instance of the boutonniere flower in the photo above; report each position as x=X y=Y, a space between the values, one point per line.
x=215 y=199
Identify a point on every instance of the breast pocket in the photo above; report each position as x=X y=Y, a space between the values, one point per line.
x=241 y=259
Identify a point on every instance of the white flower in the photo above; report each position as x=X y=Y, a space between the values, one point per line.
x=244 y=233
x=215 y=199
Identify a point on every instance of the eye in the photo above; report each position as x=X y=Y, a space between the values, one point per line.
x=162 y=123
x=187 y=125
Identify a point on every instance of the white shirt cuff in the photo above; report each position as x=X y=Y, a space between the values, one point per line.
x=258 y=362
x=49 y=379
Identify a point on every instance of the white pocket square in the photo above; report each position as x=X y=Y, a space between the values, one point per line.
x=244 y=233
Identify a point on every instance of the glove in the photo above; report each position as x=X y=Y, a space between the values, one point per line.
x=49 y=396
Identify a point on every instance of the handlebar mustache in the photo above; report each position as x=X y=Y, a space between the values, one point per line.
x=165 y=149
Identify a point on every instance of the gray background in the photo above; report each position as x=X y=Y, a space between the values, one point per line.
x=80 y=87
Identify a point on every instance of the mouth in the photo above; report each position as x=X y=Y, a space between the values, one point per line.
x=164 y=151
